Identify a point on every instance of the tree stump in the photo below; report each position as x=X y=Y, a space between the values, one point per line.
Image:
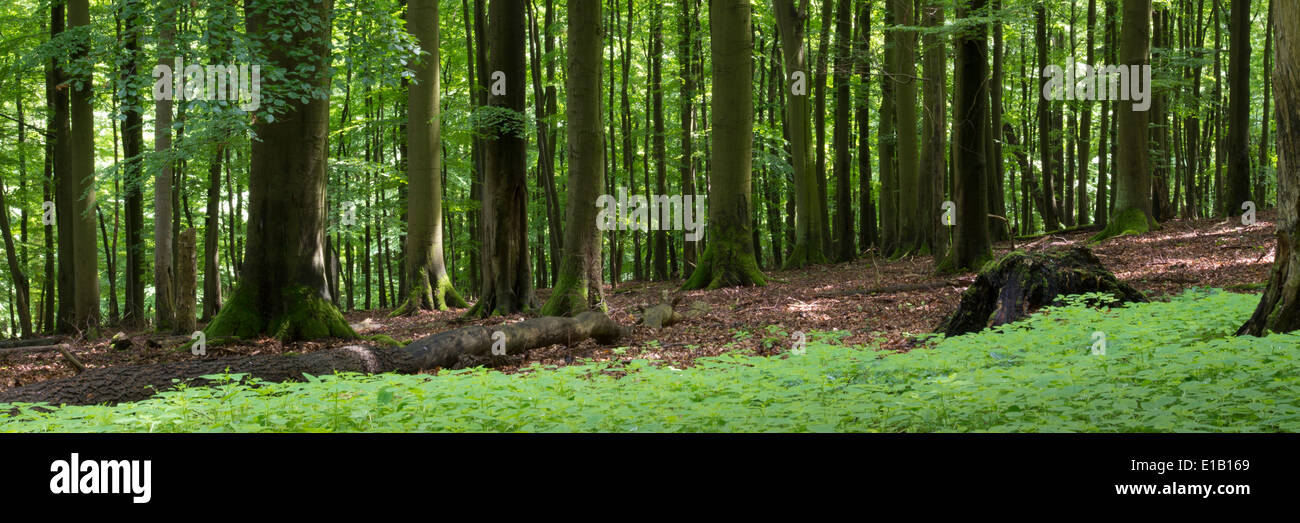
x=1020 y=283
x=186 y=281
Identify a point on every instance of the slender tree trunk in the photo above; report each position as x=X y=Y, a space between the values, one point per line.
x=162 y=191
x=808 y=230
x=81 y=145
x=691 y=248
x=845 y=247
x=1132 y=214
x=579 y=287
x=1051 y=220
x=819 y=124
x=867 y=235
x=933 y=168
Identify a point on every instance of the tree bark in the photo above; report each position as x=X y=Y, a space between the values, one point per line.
x=1132 y=213
x=971 y=246
x=186 y=281
x=579 y=286
x=162 y=191
x=429 y=286
x=1279 y=307
x=283 y=289
x=1237 y=179
x=807 y=230
x=728 y=258
x=845 y=246
x=507 y=281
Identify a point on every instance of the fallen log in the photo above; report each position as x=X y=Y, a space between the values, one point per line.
x=137 y=382
x=153 y=342
x=30 y=342
x=1021 y=282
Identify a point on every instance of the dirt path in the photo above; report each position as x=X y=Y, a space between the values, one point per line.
x=1183 y=254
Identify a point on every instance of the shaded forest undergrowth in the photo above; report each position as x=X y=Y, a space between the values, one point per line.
x=871 y=301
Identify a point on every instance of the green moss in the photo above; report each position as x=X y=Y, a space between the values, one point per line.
x=308 y=316
x=725 y=264
x=384 y=339
x=1128 y=221
x=569 y=297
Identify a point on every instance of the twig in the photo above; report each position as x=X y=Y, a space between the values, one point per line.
x=63 y=349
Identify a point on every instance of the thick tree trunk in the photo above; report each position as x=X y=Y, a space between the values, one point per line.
x=282 y=289
x=426 y=271
x=579 y=286
x=444 y=350
x=971 y=246
x=728 y=259
x=1239 y=101
x=1279 y=307
x=507 y=272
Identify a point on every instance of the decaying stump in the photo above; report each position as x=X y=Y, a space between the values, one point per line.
x=445 y=349
x=1021 y=283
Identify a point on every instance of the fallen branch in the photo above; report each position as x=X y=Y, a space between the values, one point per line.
x=76 y=363
x=138 y=382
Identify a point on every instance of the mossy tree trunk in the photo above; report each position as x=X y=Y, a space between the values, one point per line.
x=507 y=282
x=791 y=22
x=578 y=288
x=1021 y=283
x=1132 y=209
x=282 y=289
x=429 y=286
x=728 y=259
x=1279 y=308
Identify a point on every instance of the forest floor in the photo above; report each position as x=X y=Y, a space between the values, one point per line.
x=868 y=300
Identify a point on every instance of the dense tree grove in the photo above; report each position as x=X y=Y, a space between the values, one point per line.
x=410 y=155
